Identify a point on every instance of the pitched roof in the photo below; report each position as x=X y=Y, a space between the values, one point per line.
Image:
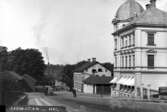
x=94 y=79
x=152 y=16
x=84 y=66
x=109 y=66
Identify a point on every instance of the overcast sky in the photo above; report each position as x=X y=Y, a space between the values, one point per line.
x=67 y=30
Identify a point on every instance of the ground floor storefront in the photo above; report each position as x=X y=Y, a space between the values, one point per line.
x=133 y=86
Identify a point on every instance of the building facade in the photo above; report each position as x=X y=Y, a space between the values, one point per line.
x=89 y=68
x=140 y=50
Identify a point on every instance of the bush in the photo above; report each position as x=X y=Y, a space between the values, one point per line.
x=11 y=97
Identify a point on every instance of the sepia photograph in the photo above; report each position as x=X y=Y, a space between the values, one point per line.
x=83 y=55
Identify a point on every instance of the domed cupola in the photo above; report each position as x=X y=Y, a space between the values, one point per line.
x=127 y=11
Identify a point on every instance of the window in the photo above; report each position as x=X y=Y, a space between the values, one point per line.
x=115 y=44
x=150 y=39
x=94 y=71
x=126 y=59
x=100 y=70
x=150 y=61
x=133 y=60
x=122 y=39
x=115 y=61
x=133 y=37
x=130 y=40
x=122 y=61
x=126 y=42
x=129 y=61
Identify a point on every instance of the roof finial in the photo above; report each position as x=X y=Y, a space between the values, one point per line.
x=147 y=6
x=153 y=3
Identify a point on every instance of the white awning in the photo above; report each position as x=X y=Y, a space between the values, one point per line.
x=130 y=81
x=121 y=81
x=125 y=81
x=114 y=80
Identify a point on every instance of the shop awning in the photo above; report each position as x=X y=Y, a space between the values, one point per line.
x=121 y=81
x=114 y=80
x=131 y=81
x=127 y=81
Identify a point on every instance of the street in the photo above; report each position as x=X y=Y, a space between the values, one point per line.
x=88 y=103
x=71 y=104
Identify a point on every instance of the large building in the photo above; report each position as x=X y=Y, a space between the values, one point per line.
x=140 y=37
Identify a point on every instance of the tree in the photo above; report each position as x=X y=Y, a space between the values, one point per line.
x=67 y=75
x=28 y=61
x=3 y=58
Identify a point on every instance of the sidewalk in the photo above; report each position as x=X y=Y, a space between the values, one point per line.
x=80 y=94
x=109 y=98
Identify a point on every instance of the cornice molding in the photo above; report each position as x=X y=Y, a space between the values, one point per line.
x=130 y=26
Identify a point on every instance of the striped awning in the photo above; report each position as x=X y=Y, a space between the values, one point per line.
x=121 y=80
x=131 y=81
x=128 y=81
x=114 y=80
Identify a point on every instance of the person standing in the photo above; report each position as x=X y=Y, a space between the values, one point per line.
x=74 y=92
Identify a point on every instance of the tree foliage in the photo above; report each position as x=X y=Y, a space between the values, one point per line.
x=28 y=61
x=3 y=58
x=67 y=75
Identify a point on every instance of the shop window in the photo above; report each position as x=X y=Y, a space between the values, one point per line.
x=138 y=92
x=145 y=93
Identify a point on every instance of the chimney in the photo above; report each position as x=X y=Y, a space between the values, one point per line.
x=148 y=6
x=153 y=3
x=93 y=59
x=89 y=60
